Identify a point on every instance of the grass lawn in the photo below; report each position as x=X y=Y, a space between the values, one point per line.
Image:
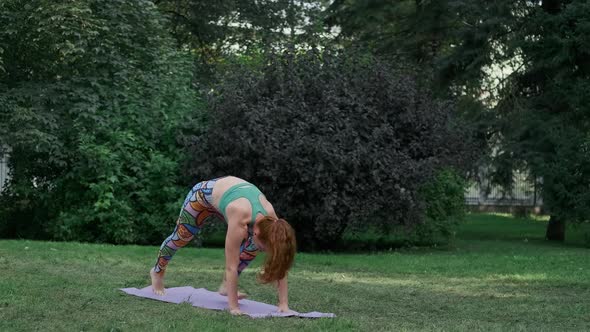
x=499 y=275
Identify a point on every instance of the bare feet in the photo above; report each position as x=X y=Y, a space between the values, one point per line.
x=157 y=282
x=223 y=292
x=236 y=312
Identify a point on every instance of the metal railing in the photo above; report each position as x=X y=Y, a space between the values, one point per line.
x=525 y=192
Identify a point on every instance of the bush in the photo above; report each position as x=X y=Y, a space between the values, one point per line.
x=330 y=137
x=445 y=208
x=444 y=205
x=92 y=96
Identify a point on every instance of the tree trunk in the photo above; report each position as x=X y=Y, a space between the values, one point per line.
x=555 y=229
x=556 y=225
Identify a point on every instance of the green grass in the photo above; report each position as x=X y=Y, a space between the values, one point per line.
x=500 y=275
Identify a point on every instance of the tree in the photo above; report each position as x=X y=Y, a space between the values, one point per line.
x=541 y=117
x=217 y=29
x=92 y=95
x=552 y=104
x=417 y=31
x=535 y=114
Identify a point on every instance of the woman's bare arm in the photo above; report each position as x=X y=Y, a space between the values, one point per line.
x=283 y=292
x=233 y=240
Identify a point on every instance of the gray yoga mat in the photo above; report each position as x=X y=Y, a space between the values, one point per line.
x=203 y=298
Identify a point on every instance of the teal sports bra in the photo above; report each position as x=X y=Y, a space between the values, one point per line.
x=243 y=190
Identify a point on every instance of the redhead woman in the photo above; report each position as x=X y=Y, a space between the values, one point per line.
x=252 y=225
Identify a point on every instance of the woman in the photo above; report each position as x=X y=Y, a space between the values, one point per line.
x=252 y=225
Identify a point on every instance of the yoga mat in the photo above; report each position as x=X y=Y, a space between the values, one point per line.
x=203 y=298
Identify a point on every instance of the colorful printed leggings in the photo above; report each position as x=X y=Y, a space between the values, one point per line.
x=196 y=209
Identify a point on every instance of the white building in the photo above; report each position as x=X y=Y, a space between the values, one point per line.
x=3 y=169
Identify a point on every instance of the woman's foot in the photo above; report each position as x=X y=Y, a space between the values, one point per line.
x=157 y=282
x=223 y=292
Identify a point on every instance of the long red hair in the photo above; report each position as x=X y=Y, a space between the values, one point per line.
x=278 y=238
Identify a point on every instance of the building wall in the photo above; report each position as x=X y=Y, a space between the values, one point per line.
x=3 y=170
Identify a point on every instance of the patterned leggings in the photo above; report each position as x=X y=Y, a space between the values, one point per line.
x=196 y=209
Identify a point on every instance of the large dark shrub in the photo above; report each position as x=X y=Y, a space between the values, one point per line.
x=330 y=137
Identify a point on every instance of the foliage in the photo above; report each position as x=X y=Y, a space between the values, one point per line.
x=541 y=118
x=527 y=61
x=541 y=113
x=93 y=94
x=445 y=207
x=217 y=30
x=330 y=137
x=552 y=106
x=444 y=204
x=418 y=31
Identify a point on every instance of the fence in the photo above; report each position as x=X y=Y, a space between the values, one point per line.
x=525 y=193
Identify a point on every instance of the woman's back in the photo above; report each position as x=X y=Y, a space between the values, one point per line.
x=240 y=206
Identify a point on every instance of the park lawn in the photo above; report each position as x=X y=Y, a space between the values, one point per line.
x=498 y=275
